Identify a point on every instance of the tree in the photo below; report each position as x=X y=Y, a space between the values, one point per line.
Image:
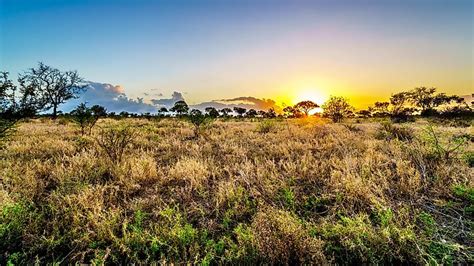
x=379 y=109
x=261 y=113
x=225 y=111
x=7 y=95
x=251 y=113
x=47 y=87
x=292 y=112
x=240 y=111
x=271 y=113
x=99 y=111
x=399 y=111
x=305 y=107
x=426 y=99
x=180 y=107
x=337 y=108
x=198 y=120
x=364 y=113
x=9 y=114
x=212 y=112
x=86 y=117
x=83 y=116
x=162 y=111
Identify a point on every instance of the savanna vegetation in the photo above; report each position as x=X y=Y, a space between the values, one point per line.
x=211 y=187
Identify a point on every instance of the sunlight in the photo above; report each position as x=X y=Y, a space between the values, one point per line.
x=311 y=94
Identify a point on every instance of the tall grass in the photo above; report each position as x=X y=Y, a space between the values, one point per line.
x=324 y=193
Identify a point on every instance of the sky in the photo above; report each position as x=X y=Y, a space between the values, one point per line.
x=203 y=51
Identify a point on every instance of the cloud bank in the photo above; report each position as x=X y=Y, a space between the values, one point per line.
x=113 y=98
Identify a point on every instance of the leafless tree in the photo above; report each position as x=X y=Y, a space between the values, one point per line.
x=48 y=87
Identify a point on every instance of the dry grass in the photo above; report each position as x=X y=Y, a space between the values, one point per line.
x=289 y=191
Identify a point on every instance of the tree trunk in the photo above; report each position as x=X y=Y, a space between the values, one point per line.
x=55 y=111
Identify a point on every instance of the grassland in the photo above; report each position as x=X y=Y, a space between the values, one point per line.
x=252 y=191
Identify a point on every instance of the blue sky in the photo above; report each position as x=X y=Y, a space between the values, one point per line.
x=208 y=50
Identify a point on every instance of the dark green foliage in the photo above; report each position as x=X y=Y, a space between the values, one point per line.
x=86 y=117
x=199 y=121
x=212 y=112
x=180 y=108
x=240 y=111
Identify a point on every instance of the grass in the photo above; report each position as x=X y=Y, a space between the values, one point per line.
x=249 y=191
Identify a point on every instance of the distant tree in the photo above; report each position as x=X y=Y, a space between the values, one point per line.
x=99 y=111
x=225 y=111
x=271 y=113
x=305 y=107
x=251 y=113
x=212 y=112
x=337 y=108
x=180 y=107
x=399 y=111
x=261 y=113
x=48 y=87
x=84 y=117
x=124 y=114
x=292 y=112
x=380 y=109
x=426 y=99
x=198 y=120
x=240 y=111
x=162 y=111
x=364 y=113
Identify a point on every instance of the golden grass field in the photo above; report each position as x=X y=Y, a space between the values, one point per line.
x=245 y=191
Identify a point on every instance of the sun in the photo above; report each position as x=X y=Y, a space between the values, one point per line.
x=310 y=94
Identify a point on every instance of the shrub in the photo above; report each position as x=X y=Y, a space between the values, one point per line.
x=199 y=121
x=390 y=131
x=469 y=157
x=114 y=142
x=447 y=149
x=266 y=126
x=86 y=117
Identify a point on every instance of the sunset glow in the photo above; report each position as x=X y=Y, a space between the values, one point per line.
x=286 y=51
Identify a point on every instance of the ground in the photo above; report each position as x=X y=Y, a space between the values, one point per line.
x=243 y=191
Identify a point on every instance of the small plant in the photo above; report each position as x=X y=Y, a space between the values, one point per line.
x=86 y=117
x=445 y=149
x=390 y=131
x=469 y=157
x=199 y=121
x=114 y=142
x=266 y=126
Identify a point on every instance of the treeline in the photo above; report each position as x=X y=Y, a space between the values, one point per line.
x=44 y=88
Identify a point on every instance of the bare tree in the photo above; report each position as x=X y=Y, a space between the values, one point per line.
x=48 y=87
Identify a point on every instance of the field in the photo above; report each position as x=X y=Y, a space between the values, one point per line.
x=244 y=191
